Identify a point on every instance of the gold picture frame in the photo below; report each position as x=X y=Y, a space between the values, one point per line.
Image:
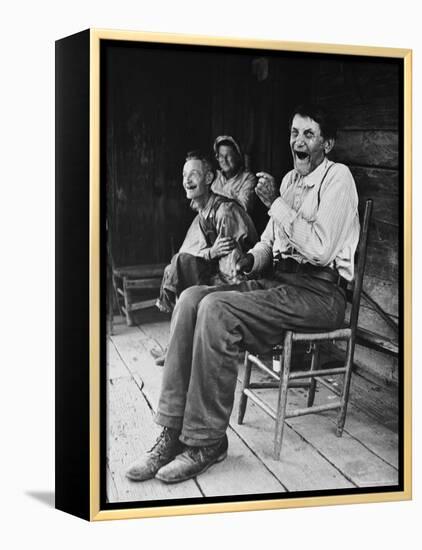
x=79 y=471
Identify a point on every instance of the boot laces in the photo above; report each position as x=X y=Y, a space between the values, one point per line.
x=165 y=437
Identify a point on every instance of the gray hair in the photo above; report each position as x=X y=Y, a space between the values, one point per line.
x=205 y=160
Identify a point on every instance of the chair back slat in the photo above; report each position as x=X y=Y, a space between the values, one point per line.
x=360 y=267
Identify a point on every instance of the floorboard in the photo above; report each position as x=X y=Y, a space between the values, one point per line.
x=313 y=458
x=232 y=475
x=301 y=467
x=134 y=347
x=375 y=397
x=374 y=435
x=356 y=462
x=132 y=431
x=242 y=473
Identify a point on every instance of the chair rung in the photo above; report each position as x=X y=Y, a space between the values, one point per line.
x=310 y=410
x=294 y=375
x=276 y=385
x=293 y=412
x=253 y=359
x=313 y=373
x=339 y=334
x=139 y=271
x=261 y=404
x=298 y=384
x=142 y=305
x=264 y=385
x=143 y=284
x=120 y=291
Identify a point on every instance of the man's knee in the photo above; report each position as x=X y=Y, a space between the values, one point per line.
x=183 y=259
x=213 y=306
x=184 y=256
x=191 y=296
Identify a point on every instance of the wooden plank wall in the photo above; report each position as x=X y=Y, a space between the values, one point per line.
x=365 y=97
x=160 y=103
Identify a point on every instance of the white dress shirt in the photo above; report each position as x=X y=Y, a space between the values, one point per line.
x=314 y=220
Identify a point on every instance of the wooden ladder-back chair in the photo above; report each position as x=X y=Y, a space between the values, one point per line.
x=128 y=279
x=287 y=379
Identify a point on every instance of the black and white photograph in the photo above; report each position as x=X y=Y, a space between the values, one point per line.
x=252 y=274
x=192 y=196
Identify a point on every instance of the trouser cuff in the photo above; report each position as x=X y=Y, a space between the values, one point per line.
x=201 y=440
x=167 y=421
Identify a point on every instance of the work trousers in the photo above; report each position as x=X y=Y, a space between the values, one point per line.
x=210 y=329
x=184 y=270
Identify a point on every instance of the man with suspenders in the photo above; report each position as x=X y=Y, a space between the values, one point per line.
x=220 y=233
x=306 y=250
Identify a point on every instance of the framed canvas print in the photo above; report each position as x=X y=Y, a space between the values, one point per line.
x=233 y=276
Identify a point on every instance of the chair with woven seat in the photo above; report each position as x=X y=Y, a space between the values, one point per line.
x=288 y=379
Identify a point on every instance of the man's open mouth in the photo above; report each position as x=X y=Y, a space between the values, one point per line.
x=301 y=155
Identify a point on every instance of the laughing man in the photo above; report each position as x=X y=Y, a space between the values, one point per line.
x=310 y=241
x=220 y=233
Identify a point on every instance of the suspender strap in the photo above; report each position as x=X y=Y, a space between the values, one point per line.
x=322 y=181
x=207 y=224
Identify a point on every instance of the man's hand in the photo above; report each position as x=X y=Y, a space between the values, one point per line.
x=221 y=247
x=266 y=188
x=245 y=264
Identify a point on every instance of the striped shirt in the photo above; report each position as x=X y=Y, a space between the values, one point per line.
x=314 y=220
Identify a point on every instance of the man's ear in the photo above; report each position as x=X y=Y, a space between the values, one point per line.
x=328 y=145
x=209 y=178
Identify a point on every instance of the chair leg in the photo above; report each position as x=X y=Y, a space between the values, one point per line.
x=314 y=366
x=277 y=362
x=128 y=315
x=341 y=418
x=245 y=384
x=282 y=394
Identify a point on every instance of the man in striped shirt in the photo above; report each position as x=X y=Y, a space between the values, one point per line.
x=307 y=247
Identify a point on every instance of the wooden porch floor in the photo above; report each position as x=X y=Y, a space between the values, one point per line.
x=312 y=458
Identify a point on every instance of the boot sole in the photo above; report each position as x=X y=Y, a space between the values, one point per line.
x=152 y=475
x=220 y=458
x=140 y=479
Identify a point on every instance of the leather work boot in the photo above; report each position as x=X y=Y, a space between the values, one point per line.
x=163 y=451
x=193 y=461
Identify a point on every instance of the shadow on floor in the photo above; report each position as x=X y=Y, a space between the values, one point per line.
x=45 y=497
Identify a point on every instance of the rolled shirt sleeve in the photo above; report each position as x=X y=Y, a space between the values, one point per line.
x=262 y=252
